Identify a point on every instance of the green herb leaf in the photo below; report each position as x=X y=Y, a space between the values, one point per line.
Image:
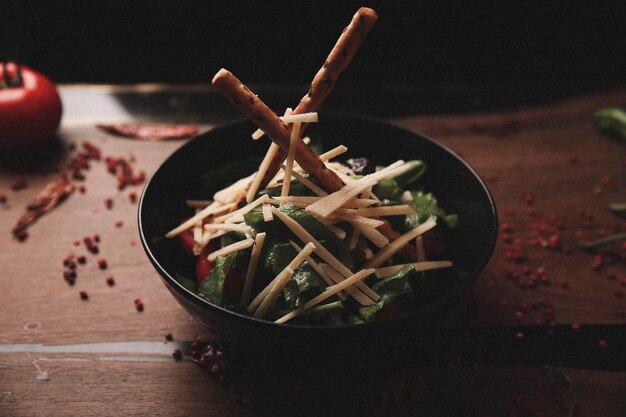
x=390 y=289
x=189 y=284
x=387 y=188
x=611 y=120
x=212 y=287
x=304 y=279
x=425 y=206
x=413 y=170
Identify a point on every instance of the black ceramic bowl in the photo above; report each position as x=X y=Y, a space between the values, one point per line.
x=371 y=347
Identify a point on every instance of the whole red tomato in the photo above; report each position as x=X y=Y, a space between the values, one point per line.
x=30 y=108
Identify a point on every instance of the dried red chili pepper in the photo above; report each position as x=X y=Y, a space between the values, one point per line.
x=53 y=194
x=150 y=132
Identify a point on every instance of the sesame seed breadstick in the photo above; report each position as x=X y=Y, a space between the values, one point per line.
x=338 y=60
x=249 y=105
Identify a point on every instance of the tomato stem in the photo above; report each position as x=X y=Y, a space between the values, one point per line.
x=11 y=82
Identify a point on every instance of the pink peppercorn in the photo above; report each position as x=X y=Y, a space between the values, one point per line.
x=102 y=263
x=602 y=344
x=177 y=354
x=84 y=295
x=110 y=281
x=528 y=198
x=169 y=337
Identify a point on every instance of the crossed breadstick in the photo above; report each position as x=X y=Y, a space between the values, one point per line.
x=252 y=107
x=338 y=60
x=248 y=104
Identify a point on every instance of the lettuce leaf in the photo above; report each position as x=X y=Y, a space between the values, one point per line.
x=425 y=206
x=212 y=287
x=390 y=289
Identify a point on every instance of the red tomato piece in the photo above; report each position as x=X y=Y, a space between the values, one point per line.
x=233 y=286
x=434 y=244
x=30 y=108
x=203 y=266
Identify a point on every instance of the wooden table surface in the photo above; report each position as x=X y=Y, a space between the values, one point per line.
x=61 y=355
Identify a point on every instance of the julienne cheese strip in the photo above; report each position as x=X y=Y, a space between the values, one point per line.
x=267 y=213
x=332 y=202
x=346 y=178
x=232 y=192
x=248 y=104
x=338 y=231
x=417 y=266
x=321 y=251
x=363 y=221
x=383 y=211
x=292 y=118
x=319 y=269
x=231 y=217
x=276 y=287
x=197 y=229
x=354 y=239
x=207 y=236
x=371 y=234
x=208 y=211
x=263 y=166
x=357 y=203
x=393 y=247
x=330 y=291
x=270 y=292
x=354 y=292
x=291 y=153
x=325 y=157
x=233 y=247
x=297 y=199
x=308 y=184
x=230 y=227
x=259 y=239
x=256 y=182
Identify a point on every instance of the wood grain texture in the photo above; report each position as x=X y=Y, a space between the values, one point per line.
x=530 y=151
x=517 y=152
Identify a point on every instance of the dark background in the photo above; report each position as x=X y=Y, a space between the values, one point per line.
x=574 y=46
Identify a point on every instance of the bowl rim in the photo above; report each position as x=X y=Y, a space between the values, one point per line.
x=233 y=315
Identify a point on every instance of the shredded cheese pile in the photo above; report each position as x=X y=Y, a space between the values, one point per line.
x=354 y=204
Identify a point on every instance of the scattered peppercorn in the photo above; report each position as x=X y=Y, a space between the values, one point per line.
x=3 y=199
x=108 y=203
x=528 y=198
x=110 y=281
x=177 y=354
x=84 y=295
x=82 y=259
x=169 y=337
x=138 y=304
x=602 y=344
x=102 y=263
x=119 y=224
